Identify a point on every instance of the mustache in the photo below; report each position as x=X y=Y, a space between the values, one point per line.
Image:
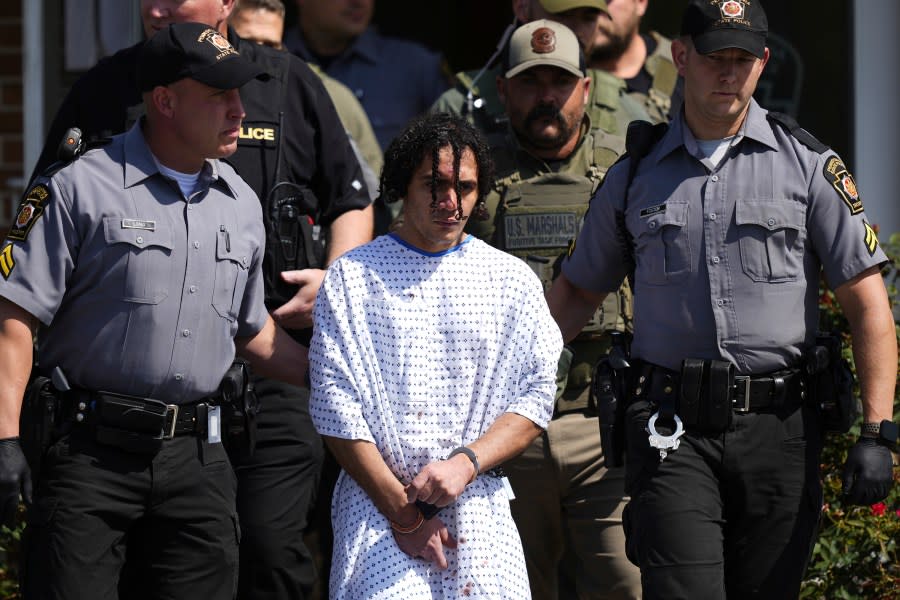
x=542 y=111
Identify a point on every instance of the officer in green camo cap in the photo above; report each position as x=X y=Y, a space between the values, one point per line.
x=549 y=160
x=610 y=108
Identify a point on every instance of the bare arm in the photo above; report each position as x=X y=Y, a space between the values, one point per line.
x=274 y=354
x=351 y=229
x=571 y=306
x=865 y=303
x=16 y=331
x=348 y=231
x=442 y=482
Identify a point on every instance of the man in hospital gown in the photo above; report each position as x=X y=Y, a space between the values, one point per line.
x=433 y=361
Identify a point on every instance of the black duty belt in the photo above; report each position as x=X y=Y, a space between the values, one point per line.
x=145 y=416
x=748 y=393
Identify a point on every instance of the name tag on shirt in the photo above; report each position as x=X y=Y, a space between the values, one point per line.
x=139 y=224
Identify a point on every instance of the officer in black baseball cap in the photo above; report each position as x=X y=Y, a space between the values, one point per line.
x=196 y=51
x=730 y=24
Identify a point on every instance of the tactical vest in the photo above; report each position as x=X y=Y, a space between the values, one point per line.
x=538 y=217
x=664 y=74
x=294 y=238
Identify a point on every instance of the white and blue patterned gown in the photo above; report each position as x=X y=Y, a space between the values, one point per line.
x=420 y=353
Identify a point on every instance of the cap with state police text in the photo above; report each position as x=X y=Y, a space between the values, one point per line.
x=558 y=6
x=544 y=43
x=718 y=24
x=195 y=51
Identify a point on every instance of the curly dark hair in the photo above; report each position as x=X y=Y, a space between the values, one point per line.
x=426 y=136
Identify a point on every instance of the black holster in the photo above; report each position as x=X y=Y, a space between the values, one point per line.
x=240 y=406
x=831 y=382
x=39 y=421
x=609 y=389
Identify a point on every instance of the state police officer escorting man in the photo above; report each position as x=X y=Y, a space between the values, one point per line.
x=143 y=262
x=294 y=153
x=729 y=219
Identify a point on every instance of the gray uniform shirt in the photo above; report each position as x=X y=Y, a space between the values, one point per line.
x=728 y=258
x=142 y=290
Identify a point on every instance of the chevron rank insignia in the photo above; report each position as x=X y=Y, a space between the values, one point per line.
x=7 y=263
x=29 y=212
x=871 y=239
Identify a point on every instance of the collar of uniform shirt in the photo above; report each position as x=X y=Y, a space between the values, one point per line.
x=755 y=127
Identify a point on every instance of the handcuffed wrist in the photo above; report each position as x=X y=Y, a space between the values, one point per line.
x=409 y=530
x=471 y=456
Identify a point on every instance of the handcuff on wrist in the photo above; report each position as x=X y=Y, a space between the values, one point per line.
x=429 y=511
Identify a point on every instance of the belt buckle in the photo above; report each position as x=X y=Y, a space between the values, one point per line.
x=739 y=382
x=168 y=431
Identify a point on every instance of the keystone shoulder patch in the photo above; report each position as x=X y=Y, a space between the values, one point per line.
x=30 y=210
x=844 y=184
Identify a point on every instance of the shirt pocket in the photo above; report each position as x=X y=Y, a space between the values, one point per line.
x=771 y=234
x=142 y=257
x=232 y=263
x=663 y=246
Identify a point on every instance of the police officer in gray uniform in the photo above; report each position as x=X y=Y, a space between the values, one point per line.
x=142 y=262
x=730 y=218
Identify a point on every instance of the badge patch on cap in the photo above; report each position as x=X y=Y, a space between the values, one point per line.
x=871 y=239
x=543 y=40
x=221 y=44
x=842 y=181
x=732 y=10
x=29 y=212
x=7 y=264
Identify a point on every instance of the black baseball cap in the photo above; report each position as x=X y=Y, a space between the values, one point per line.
x=196 y=51
x=718 y=24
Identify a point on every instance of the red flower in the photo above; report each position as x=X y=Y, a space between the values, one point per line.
x=878 y=509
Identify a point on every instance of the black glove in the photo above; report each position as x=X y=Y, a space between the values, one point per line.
x=14 y=477
x=868 y=472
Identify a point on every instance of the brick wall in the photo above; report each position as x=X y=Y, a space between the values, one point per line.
x=10 y=108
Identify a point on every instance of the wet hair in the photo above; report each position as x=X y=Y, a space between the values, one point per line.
x=426 y=136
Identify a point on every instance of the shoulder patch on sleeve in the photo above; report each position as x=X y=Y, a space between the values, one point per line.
x=30 y=210
x=871 y=239
x=844 y=184
x=7 y=263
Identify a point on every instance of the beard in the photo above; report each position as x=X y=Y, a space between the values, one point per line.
x=544 y=142
x=613 y=47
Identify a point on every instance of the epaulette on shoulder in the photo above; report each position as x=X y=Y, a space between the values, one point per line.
x=642 y=136
x=802 y=135
x=70 y=148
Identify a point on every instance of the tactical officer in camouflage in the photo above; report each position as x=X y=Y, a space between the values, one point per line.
x=643 y=60
x=609 y=106
x=549 y=162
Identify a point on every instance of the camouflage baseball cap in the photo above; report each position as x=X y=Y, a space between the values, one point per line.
x=558 y=6
x=543 y=42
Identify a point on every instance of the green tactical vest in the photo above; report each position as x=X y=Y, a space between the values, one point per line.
x=537 y=213
x=610 y=108
x=658 y=101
